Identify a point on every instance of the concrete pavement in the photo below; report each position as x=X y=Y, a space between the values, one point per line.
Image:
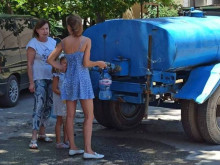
x=157 y=141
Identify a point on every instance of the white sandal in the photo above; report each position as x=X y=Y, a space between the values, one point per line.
x=33 y=144
x=44 y=138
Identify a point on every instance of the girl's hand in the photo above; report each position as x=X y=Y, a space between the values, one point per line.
x=101 y=64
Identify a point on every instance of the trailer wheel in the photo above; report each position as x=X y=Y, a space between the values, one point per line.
x=126 y=115
x=189 y=115
x=209 y=118
x=101 y=113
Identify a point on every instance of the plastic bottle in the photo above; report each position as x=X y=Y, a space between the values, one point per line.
x=104 y=86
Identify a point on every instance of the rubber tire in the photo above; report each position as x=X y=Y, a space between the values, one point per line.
x=189 y=119
x=122 y=122
x=6 y=100
x=101 y=114
x=207 y=118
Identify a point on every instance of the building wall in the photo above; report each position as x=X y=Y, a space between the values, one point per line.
x=188 y=3
x=135 y=10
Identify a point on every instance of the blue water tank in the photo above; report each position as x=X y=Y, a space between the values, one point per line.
x=178 y=43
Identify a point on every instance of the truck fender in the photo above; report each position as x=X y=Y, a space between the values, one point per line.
x=201 y=84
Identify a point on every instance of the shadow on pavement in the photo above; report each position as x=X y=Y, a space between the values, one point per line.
x=117 y=150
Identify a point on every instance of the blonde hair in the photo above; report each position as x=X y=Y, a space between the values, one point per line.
x=75 y=22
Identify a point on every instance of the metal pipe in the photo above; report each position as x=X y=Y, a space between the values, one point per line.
x=148 y=76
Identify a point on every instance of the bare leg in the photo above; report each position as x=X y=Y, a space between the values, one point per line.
x=87 y=106
x=42 y=130
x=58 y=128
x=34 y=135
x=65 y=137
x=71 y=110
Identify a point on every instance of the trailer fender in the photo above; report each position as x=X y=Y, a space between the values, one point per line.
x=201 y=84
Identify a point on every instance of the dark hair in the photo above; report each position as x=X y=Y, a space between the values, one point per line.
x=62 y=58
x=75 y=22
x=38 y=25
x=54 y=70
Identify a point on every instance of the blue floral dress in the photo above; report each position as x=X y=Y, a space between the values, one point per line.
x=77 y=82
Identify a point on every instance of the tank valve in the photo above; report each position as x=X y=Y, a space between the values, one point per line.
x=112 y=68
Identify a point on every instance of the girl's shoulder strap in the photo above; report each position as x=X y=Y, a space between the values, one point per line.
x=62 y=44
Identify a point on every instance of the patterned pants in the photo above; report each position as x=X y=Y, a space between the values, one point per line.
x=42 y=103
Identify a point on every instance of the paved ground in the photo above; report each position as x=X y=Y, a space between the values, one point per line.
x=157 y=141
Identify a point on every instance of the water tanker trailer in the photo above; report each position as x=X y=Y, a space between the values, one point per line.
x=177 y=57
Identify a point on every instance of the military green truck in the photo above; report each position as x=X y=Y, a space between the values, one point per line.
x=15 y=32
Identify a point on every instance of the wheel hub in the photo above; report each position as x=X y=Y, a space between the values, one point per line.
x=13 y=91
x=128 y=110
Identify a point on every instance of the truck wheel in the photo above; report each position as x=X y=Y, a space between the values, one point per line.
x=189 y=115
x=126 y=115
x=101 y=113
x=12 y=92
x=209 y=118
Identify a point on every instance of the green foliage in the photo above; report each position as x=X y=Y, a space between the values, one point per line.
x=92 y=11
x=166 y=9
x=9 y=24
x=56 y=29
x=52 y=10
x=100 y=10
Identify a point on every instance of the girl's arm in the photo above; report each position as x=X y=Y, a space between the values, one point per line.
x=86 y=59
x=30 y=61
x=53 y=56
x=55 y=85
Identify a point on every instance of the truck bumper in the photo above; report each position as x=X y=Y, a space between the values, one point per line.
x=201 y=84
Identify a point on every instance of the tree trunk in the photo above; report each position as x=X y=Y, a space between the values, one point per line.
x=7 y=8
x=85 y=23
x=99 y=18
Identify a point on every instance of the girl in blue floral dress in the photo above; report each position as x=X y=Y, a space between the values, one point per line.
x=77 y=84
